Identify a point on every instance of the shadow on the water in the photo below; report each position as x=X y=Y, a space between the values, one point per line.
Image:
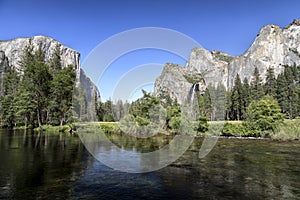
x=38 y=165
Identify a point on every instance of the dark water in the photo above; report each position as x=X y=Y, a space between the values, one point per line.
x=57 y=166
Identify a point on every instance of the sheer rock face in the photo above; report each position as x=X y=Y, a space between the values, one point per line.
x=273 y=47
x=173 y=83
x=12 y=51
x=3 y=62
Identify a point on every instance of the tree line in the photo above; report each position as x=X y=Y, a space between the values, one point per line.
x=41 y=93
x=261 y=105
x=285 y=89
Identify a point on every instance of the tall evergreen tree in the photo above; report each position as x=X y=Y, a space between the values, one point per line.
x=55 y=61
x=236 y=99
x=7 y=101
x=281 y=92
x=246 y=96
x=61 y=95
x=291 y=91
x=28 y=55
x=270 y=85
x=256 y=85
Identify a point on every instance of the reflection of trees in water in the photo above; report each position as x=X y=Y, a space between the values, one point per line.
x=139 y=144
x=243 y=169
x=45 y=163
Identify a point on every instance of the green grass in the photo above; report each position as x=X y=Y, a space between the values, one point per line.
x=49 y=128
x=290 y=130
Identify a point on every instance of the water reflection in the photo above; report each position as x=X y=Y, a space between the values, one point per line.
x=57 y=166
x=38 y=165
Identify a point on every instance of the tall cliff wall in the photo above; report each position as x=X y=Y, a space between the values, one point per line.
x=11 y=52
x=273 y=47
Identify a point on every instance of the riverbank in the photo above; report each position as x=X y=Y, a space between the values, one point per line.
x=49 y=128
x=289 y=130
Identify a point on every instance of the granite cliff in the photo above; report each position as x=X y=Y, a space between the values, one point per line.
x=11 y=52
x=273 y=47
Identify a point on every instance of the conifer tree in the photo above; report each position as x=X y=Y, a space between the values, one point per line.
x=246 y=96
x=256 y=85
x=270 y=85
x=55 y=61
x=236 y=99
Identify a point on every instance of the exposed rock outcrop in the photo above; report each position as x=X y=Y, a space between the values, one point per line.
x=3 y=62
x=273 y=47
x=3 y=68
x=11 y=52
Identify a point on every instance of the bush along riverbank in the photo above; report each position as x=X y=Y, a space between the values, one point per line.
x=49 y=128
x=288 y=130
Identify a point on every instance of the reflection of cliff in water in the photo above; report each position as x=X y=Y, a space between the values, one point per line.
x=46 y=163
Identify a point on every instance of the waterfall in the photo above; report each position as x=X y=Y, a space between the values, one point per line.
x=191 y=94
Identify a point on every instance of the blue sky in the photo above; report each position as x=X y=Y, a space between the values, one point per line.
x=226 y=25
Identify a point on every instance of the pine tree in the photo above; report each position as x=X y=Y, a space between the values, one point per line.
x=291 y=92
x=256 y=85
x=246 y=96
x=281 y=92
x=270 y=85
x=236 y=99
x=28 y=55
x=55 y=61
x=61 y=95
x=39 y=55
x=7 y=109
x=218 y=103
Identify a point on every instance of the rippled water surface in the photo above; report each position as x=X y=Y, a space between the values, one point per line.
x=57 y=166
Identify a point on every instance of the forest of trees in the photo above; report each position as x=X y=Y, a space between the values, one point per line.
x=39 y=94
x=285 y=89
x=260 y=105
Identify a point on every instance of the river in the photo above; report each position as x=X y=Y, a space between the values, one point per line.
x=57 y=166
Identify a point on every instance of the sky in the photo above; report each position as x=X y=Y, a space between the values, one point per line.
x=225 y=25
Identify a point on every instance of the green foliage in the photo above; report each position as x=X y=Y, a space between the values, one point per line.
x=55 y=62
x=264 y=115
x=61 y=95
x=174 y=123
x=256 y=86
x=233 y=129
x=39 y=95
x=202 y=125
x=237 y=99
x=9 y=91
x=110 y=127
x=270 y=85
x=173 y=119
x=194 y=78
x=290 y=129
x=223 y=57
x=288 y=91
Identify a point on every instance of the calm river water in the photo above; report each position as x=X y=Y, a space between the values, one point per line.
x=57 y=166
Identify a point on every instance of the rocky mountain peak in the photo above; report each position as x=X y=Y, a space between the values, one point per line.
x=273 y=47
x=14 y=50
x=296 y=22
x=11 y=52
